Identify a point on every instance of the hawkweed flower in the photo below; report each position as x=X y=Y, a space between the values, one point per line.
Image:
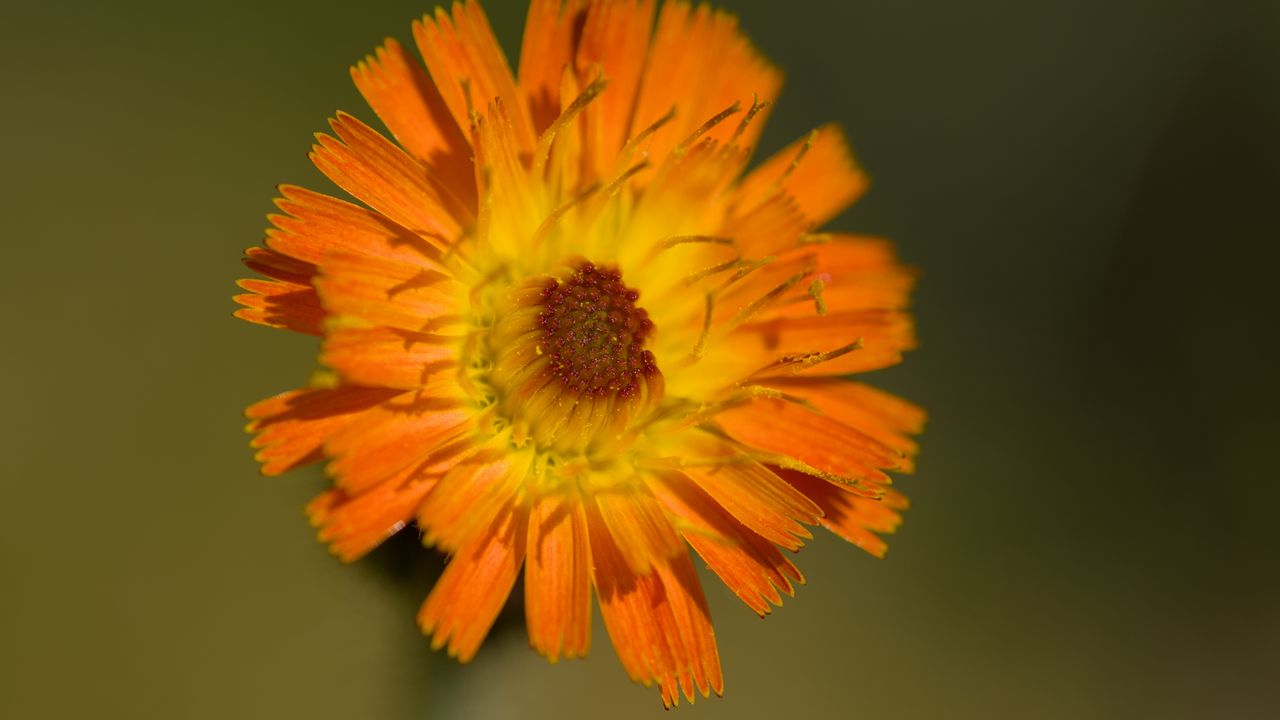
x=566 y=330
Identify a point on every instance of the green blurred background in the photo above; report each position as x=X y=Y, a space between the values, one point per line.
x=1091 y=188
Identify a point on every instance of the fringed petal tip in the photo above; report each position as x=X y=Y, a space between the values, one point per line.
x=278 y=304
x=557 y=578
x=859 y=520
x=659 y=621
x=467 y=598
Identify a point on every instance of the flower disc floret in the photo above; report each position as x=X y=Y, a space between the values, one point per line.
x=595 y=334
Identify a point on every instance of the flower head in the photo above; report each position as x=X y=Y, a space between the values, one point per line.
x=567 y=330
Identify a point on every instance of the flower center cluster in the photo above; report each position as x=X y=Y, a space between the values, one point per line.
x=568 y=361
x=594 y=334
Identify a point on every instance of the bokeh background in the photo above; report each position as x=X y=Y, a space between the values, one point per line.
x=1090 y=187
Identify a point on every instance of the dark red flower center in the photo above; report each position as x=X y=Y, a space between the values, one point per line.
x=594 y=333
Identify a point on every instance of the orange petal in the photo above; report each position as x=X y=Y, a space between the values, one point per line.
x=468 y=596
x=701 y=63
x=468 y=66
x=856 y=273
x=565 y=162
x=682 y=183
x=768 y=228
x=397 y=433
x=504 y=175
x=856 y=519
x=373 y=169
x=291 y=428
x=280 y=305
x=388 y=357
x=693 y=626
x=658 y=622
x=748 y=564
x=278 y=266
x=315 y=225
x=615 y=36
x=399 y=91
x=886 y=418
x=748 y=490
x=352 y=526
x=639 y=527
x=794 y=433
x=883 y=335
x=387 y=293
x=763 y=289
x=468 y=499
x=556 y=578
x=545 y=52
x=818 y=171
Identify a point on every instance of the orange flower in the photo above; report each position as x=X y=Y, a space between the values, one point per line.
x=567 y=332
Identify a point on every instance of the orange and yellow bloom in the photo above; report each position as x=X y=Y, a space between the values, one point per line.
x=567 y=330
